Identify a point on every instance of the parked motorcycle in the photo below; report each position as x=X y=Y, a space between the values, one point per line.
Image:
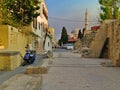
x=29 y=57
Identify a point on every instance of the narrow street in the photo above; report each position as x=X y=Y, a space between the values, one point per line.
x=68 y=71
x=60 y=45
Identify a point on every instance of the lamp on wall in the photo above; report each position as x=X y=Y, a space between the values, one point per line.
x=2 y=47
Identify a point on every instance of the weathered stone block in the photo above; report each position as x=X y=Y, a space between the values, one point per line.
x=36 y=70
x=43 y=70
x=10 y=60
x=29 y=70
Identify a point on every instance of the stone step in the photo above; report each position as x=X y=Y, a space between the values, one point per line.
x=36 y=70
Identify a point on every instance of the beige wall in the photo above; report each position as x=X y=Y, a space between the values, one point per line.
x=109 y=29
x=98 y=42
x=114 y=44
x=14 y=40
x=4 y=36
x=52 y=32
x=10 y=60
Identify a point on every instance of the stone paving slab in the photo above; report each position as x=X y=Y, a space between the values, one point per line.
x=69 y=71
x=23 y=82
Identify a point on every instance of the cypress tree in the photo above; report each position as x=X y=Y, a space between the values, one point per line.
x=80 y=35
x=64 y=36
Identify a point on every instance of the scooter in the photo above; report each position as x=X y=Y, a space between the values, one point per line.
x=29 y=57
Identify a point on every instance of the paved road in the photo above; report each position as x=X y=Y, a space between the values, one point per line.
x=5 y=75
x=69 y=71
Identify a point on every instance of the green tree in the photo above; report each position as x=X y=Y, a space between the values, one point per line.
x=59 y=42
x=80 y=35
x=110 y=9
x=64 y=36
x=19 y=12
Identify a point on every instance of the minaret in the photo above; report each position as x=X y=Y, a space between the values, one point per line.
x=86 y=21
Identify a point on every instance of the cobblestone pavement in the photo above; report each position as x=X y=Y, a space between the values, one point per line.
x=69 y=71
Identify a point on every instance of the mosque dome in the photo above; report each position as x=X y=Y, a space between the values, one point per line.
x=75 y=31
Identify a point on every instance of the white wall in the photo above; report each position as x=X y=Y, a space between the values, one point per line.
x=41 y=21
x=48 y=44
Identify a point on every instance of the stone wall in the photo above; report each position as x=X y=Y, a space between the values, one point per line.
x=12 y=40
x=109 y=30
x=114 y=42
x=97 y=42
x=113 y=34
x=10 y=60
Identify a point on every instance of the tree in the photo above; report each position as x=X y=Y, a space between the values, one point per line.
x=80 y=34
x=59 y=42
x=64 y=36
x=110 y=9
x=19 y=12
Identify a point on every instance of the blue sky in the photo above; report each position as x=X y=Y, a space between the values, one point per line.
x=70 y=13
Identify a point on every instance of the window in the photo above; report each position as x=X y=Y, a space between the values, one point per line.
x=39 y=26
x=48 y=44
x=35 y=23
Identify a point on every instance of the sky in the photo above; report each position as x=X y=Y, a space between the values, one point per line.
x=71 y=14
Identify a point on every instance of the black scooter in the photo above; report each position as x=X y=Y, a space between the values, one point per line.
x=29 y=57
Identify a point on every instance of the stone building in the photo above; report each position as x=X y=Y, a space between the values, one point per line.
x=40 y=27
x=52 y=32
x=73 y=36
